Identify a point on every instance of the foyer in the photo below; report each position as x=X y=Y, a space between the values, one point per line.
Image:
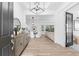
x=39 y=28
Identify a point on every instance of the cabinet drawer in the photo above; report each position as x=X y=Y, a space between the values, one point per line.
x=18 y=51
x=20 y=42
x=18 y=47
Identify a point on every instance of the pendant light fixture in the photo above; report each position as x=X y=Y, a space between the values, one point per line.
x=37 y=7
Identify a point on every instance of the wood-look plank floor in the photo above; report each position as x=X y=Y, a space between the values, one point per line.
x=45 y=47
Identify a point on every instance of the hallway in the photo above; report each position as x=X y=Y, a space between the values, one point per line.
x=45 y=47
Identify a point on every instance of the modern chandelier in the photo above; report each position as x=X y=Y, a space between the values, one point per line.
x=37 y=7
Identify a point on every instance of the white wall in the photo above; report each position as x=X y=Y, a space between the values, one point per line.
x=19 y=13
x=60 y=28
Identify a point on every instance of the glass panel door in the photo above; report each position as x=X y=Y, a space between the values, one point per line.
x=69 y=29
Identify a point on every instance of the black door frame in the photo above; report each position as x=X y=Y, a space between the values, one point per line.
x=70 y=43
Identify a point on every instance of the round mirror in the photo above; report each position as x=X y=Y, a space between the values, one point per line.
x=17 y=24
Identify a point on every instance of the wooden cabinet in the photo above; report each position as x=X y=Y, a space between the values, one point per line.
x=21 y=40
x=26 y=39
x=18 y=45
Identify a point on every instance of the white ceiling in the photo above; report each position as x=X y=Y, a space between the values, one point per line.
x=51 y=7
x=74 y=8
x=55 y=6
